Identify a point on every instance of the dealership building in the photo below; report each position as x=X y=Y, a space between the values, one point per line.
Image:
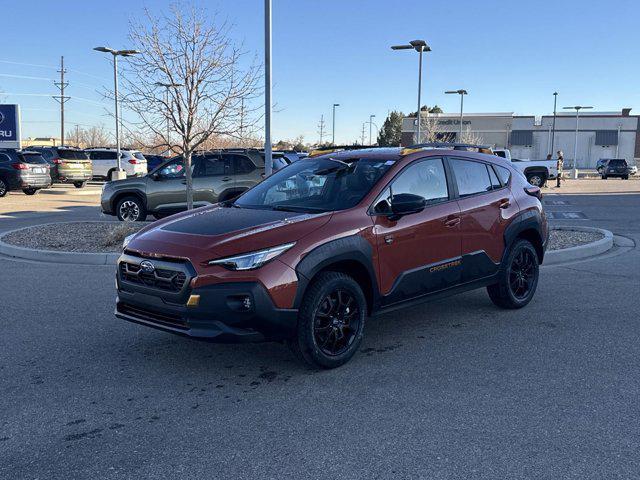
x=600 y=134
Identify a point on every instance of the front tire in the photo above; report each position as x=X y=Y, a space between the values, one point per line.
x=604 y=177
x=131 y=209
x=517 y=277
x=79 y=184
x=330 y=321
x=30 y=191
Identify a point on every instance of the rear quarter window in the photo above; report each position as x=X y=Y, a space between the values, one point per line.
x=503 y=173
x=72 y=154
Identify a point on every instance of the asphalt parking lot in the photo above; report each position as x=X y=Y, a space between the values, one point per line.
x=450 y=389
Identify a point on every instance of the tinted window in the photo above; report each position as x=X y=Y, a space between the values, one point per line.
x=211 y=166
x=34 y=158
x=139 y=156
x=240 y=164
x=425 y=178
x=173 y=169
x=617 y=163
x=471 y=177
x=318 y=184
x=72 y=154
x=495 y=183
x=503 y=173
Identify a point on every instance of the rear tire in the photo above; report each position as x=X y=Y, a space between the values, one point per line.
x=30 y=191
x=626 y=177
x=4 y=188
x=131 y=209
x=110 y=174
x=517 y=277
x=330 y=321
x=604 y=177
x=79 y=184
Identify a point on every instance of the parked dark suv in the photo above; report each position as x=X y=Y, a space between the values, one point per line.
x=307 y=255
x=615 y=167
x=67 y=164
x=217 y=176
x=22 y=170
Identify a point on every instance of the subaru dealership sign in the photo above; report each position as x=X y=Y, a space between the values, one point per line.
x=9 y=126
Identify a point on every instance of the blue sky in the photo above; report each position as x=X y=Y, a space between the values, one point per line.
x=509 y=55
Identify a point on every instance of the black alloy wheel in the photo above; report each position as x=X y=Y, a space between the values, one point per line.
x=336 y=322
x=522 y=273
x=3 y=188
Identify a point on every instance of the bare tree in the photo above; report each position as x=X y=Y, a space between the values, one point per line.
x=96 y=136
x=470 y=137
x=190 y=79
x=429 y=128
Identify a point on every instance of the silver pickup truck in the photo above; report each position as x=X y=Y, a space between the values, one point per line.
x=536 y=171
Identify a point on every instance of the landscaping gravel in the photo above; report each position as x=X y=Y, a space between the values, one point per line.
x=96 y=237
x=560 y=239
x=106 y=237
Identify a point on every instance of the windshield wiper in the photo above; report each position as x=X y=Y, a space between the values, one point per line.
x=296 y=208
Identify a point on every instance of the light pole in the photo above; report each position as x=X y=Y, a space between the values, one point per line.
x=119 y=174
x=577 y=108
x=371 y=117
x=268 y=159
x=462 y=93
x=167 y=86
x=333 y=128
x=553 y=128
x=419 y=46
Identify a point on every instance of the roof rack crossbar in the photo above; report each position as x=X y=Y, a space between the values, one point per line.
x=449 y=145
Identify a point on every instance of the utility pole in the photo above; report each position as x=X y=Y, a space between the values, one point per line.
x=242 y=120
x=553 y=128
x=61 y=99
x=78 y=135
x=333 y=128
x=362 y=138
x=268 y=159
x=321 y=128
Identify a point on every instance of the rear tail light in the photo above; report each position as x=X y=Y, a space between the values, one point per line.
x=533 y=191
x=20 y=166
x=58 y=161
x=133 y=161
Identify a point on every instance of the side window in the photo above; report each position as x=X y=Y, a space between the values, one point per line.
x=471 y=177
x=495 y=183
x=425 y=178
x=211 y=166
x=503 y=173
x=240 y=165
x=173 y=169
x=4 y=158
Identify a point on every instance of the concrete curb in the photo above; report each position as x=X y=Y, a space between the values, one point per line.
x=553 y=257
x=74 y=192
x=54 y=256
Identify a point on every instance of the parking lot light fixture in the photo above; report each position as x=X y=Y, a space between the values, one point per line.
x=167 y=86
x=419 y=46
x=116 y=54
x=577 y=108
x=333 y=128
x=462 y=93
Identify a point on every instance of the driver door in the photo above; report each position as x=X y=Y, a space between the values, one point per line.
x=418 y=253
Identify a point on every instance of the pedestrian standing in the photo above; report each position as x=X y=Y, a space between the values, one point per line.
x=560 y=167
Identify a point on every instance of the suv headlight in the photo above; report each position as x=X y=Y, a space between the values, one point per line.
x=126 y=240
x=251 y=260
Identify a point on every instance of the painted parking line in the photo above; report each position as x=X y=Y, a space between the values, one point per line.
x=567 y=215
x=553 y=203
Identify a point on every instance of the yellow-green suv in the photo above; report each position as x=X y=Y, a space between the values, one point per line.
x=67 y=164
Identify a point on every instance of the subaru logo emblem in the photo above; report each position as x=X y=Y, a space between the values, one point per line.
x=147 y=267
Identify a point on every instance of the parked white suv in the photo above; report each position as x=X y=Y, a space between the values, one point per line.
x=104 y=162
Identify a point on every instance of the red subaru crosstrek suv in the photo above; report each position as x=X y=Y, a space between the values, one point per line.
x=310 y=253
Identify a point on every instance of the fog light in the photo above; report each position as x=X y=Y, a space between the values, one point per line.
x=246 y=303
x=193 y=301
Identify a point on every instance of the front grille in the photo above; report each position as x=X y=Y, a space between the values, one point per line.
x=160 y=278
x=141 y=313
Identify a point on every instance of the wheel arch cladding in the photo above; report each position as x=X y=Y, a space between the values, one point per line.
x=352 y=255
x=528 y=226
x=127 y=193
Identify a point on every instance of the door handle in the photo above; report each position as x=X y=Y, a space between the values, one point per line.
x=388 y=239
x=226 y=179
x=451 y=221
x=505 y=203
x=184 y=182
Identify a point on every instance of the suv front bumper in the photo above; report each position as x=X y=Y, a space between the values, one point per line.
x=225 y=313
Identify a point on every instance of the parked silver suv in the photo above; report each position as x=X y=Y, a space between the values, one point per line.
x=104 y=161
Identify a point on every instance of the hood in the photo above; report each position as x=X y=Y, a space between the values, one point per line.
x=215 y=232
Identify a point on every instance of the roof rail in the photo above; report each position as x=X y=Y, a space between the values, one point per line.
x=449 y=146
x=314 y=152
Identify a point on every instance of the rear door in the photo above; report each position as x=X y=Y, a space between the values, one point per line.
x=211 y=177
x=245 y=173
x=486 y=208
x=418 y=253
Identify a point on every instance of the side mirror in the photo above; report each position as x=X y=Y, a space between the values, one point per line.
x=407 y=203
x=155 y=176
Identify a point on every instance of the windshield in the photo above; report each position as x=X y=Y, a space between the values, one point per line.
x=316 y=185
